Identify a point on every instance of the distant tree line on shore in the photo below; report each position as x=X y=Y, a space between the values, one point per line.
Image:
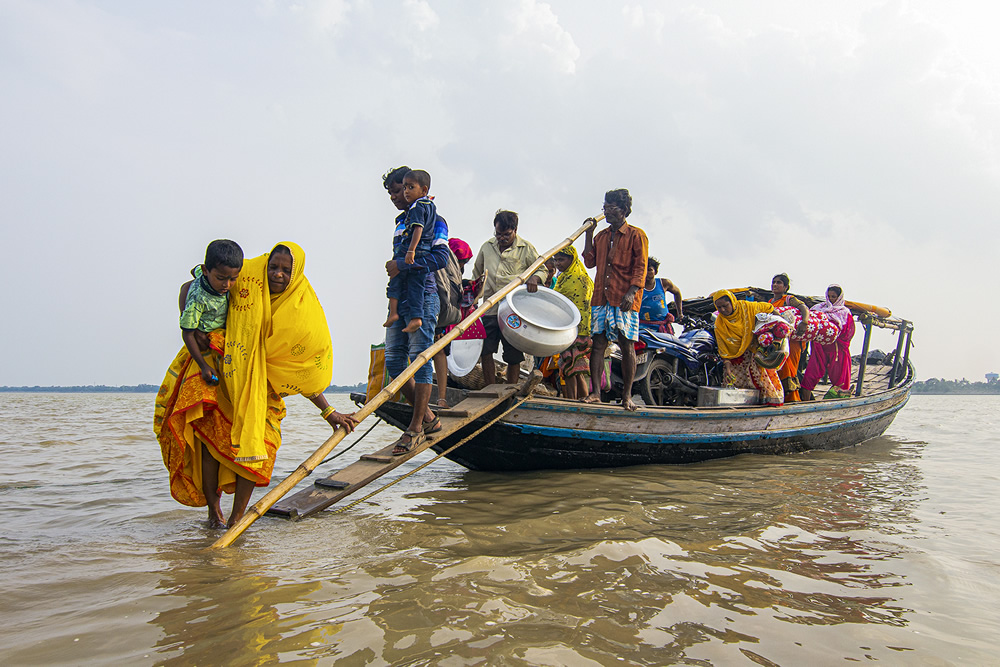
x=963 y=386
x=144 y=389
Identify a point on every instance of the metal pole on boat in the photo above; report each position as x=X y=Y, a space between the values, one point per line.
x=895 y=358
x=867 y=321
x=906 y=353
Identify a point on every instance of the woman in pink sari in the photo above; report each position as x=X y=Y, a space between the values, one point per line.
x=833 y=360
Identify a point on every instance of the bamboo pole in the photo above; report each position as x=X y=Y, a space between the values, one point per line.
x=307 y=466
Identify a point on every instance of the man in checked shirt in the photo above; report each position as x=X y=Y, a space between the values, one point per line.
x=619 y=254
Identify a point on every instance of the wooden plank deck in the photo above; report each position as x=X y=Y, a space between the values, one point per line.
x=327 y=491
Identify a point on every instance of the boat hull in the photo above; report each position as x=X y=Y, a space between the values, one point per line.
x=544 y=433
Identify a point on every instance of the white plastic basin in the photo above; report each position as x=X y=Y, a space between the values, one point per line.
x=464 y=355
x=540 y=324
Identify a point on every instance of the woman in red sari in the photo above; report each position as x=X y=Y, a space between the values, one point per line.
x=833 y=360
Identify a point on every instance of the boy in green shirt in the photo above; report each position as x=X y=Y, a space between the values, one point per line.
x=207 y=300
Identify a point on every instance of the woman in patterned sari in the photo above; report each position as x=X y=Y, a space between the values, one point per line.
x=734 y=337
x=574 y=283
x=276 y=343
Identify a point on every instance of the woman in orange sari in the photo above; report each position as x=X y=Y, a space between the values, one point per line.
x=789 y=371
x=735 y=340
x=276 y=343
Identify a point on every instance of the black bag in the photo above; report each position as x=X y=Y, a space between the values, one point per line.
x=449 y=286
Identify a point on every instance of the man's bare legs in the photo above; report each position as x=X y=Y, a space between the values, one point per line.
x=410 y=390
x=513 y=373
x=489 y=367
x=441 y=375
x=627 y=348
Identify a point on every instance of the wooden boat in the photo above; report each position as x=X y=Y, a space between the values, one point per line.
x=547 y=433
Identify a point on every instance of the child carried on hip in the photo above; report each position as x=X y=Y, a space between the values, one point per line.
x=413 y=240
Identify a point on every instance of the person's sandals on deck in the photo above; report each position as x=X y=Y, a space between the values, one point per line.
x=416 y=438
x=433 y=426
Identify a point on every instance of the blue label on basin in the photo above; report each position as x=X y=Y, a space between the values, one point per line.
x=513 y=321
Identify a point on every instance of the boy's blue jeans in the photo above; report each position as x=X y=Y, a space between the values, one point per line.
x=400 y=347
x=407 y=287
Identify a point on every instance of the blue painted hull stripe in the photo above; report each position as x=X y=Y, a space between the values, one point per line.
x=713 y=413
x=696 y=438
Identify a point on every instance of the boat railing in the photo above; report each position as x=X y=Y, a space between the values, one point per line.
x=901 y=355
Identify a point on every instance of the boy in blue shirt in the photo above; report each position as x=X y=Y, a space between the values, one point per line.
x=207 y=300
x=414 y=239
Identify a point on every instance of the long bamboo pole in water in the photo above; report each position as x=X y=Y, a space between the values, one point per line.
x=307 y=466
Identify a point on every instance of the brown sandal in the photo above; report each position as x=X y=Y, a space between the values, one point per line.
x=433 y=426
x=416 y=438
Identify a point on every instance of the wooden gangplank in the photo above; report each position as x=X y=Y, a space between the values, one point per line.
x=369 y=467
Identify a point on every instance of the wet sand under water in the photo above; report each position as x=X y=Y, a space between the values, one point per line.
x=886 y=551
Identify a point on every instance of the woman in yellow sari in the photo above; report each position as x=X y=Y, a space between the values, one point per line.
x=276 y=343
x=574 y=283
x=734 y=337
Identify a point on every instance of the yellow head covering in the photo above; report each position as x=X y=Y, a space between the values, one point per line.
x=576 y=285
x=277 y=343
x=733 y=334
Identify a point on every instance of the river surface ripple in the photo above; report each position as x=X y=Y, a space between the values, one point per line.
x=882 y=552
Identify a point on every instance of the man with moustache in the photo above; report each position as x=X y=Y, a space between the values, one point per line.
x=619 y=253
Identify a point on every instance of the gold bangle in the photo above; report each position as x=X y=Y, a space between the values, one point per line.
x=327 y=411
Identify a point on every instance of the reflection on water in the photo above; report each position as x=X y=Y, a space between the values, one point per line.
x=812 y=558
x=647 y=562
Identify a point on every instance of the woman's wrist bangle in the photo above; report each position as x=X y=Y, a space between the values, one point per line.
x=327 y=411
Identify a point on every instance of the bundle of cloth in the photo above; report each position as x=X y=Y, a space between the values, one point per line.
x=771 y=327
x=823 y=326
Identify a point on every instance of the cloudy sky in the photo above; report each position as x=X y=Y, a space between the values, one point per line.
x=838 y=141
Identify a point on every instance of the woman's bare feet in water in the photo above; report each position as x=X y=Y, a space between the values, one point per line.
x=389 y=321
x=413 y=325
x=235 y=517
x=215 y=519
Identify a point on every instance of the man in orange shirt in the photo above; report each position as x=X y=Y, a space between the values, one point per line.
x=619 y=253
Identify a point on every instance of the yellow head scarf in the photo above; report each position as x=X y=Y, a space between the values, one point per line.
x=576 y=285
x=278 y=343
x=733 y=334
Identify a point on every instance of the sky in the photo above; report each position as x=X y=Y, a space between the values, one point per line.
x=838 y=141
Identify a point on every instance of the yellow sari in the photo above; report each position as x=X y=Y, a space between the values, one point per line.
x=576 y=285
x=272 y=347
x=733 y=334
x=734 y=337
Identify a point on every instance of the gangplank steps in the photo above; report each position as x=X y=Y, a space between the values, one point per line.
x=326 y=491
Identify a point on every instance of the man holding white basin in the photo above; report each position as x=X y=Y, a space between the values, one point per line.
x=502 y=259
x=619 y=254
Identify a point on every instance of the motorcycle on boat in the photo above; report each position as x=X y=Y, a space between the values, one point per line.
x=670 y=367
